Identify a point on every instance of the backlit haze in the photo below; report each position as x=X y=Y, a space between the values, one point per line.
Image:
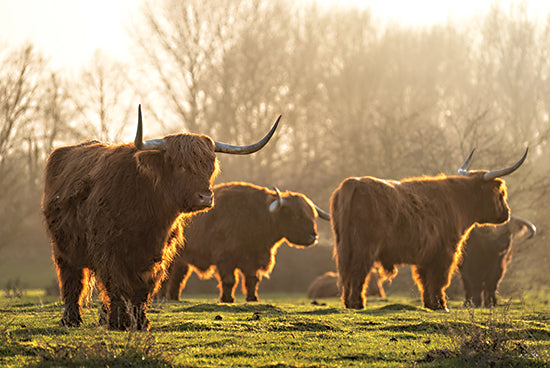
x=68 y=32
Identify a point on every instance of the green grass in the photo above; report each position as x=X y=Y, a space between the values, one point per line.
x=281 y=331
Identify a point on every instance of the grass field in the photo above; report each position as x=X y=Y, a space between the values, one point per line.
x=281 y=331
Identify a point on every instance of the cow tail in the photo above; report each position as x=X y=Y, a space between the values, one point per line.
x=341 y=212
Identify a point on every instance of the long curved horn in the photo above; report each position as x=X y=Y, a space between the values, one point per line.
x=244 y=150
x=501 y=172
x=322 y=214
x=278 y=203
x=464 y=168
x=153 y=144
x=529 y=225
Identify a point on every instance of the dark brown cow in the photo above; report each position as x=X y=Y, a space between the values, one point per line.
x=328 y=285
x=242 y=233
x=485 y=255
x=416 y=221
x=109 y=209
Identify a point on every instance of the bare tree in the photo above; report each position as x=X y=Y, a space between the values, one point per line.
x=104 y=101
x=21 y=75
x=216 y=70
x=180 y=41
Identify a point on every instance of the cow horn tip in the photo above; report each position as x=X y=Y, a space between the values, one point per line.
x=463 y=170
x=138 y=141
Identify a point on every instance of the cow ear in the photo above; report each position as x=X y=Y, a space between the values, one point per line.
x=150 y=162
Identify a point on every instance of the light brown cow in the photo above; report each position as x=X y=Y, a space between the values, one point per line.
x=109 y=208
x=418 y=221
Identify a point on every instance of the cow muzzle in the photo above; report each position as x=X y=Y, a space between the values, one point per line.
x=203 y=201
x=314 y=238
x=304 y=240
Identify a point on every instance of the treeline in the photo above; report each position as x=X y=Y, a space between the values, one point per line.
x=357 y=98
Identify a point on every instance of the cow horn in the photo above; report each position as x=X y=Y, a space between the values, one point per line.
x=244 y=150
x=153 y=144
x=529 y=225
x=278 y=203
x=322 y=214
x=502 y=172
x=464 y=168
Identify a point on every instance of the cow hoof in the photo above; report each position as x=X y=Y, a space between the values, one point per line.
x=227 y=300
x=354 y=305
x=118 y=327
x=439 y=309
x=103 y=321
x=252 y=299
x=65 y=322
x=145 y=326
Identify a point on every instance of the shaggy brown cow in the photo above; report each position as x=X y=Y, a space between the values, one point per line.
x=328 y=285
x=242 y=233
x=485 y=255
x=417 y=221
x=109 y=209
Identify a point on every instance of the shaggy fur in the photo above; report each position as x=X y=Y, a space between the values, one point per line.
x=328 y=285
x=417 y=221
x=485 y=256
x=109 y=209
x=241 y=235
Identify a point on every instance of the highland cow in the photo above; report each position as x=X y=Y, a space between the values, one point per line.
x=328 y=285
x=241 y=234
x=109 y=209
x=418 y=221
x=485 y=255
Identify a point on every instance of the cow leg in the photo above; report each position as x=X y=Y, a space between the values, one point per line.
x=345 y=289
x=127 y=309
x=355 y=297
x=251 y=286
x=72 y=281
x=104 y=307
x=125 y=314
x=144 y=287
x=139 y=313
x=227 y=281
x=117 y=311
x=432 y=282
x=374 y=287
x=477 y=290
x=421 y=280
x=178 y=275
x=491 y=286
x=489 y=294
x=467 y=285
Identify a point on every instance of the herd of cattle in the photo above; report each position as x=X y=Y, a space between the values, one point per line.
x=140 y=217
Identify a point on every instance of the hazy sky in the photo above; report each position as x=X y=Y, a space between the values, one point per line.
x=69 y=31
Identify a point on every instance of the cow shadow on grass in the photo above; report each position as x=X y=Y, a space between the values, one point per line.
x=323 y=311
x=214 y=316
x=25 y=333
x=283 y=325
x=231 y=308
x=187 y=325
x=392 y=308
x=399 y=307
x=29 y=307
